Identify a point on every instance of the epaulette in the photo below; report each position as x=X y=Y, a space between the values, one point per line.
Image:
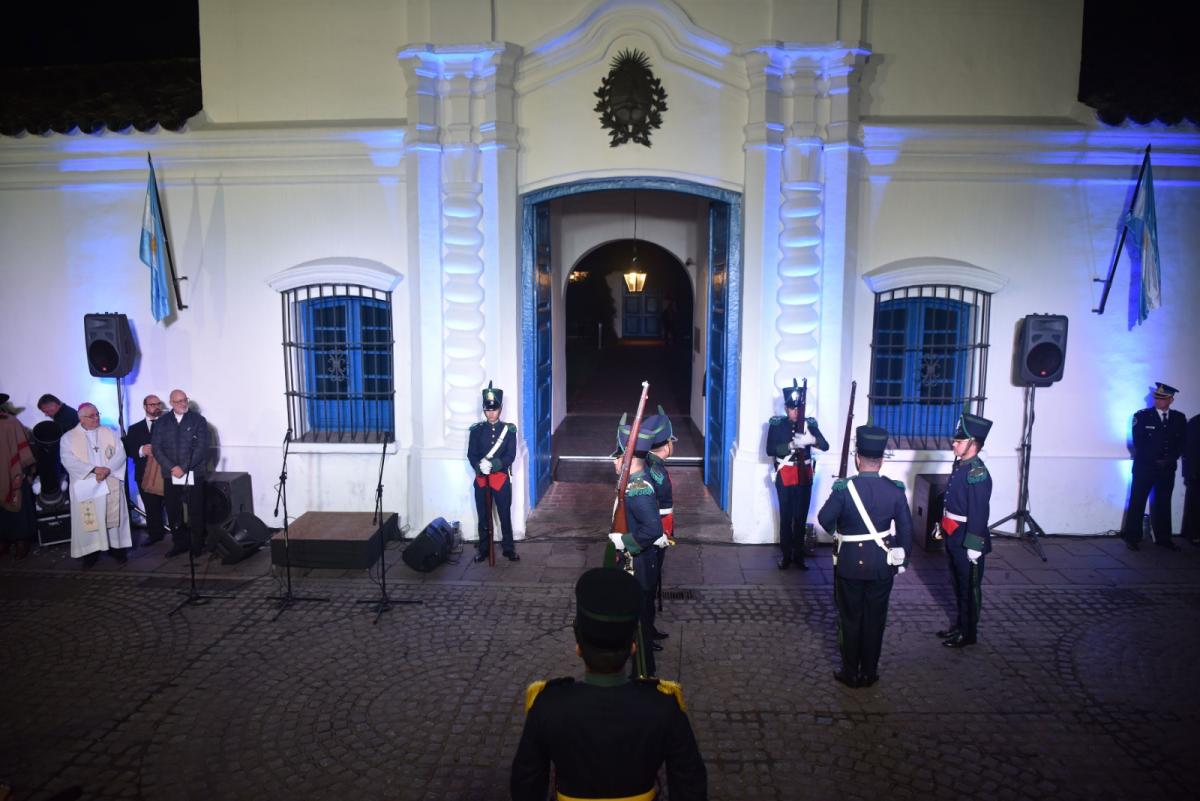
x=638 y=487
x=475 y=425
x=512 y=428
x=812 y=421
x=657 y=474
x=977 y=472
x=671 y=688
x=840 y=484
x=899 y=483
x=532 y=691
x=777 y=419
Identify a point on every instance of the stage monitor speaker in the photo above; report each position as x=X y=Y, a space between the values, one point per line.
x=109 y=342
x=226 y=495
x=431 y=547
x=1041 y=349
x=241 y=537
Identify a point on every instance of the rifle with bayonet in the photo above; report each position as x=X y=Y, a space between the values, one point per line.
x=843 y=467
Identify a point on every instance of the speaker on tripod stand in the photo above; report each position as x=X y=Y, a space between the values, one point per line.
x=1039 y=360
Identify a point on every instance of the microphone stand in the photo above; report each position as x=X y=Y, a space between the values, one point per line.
x=287 y=599
x=192 y=597
x=383 y=603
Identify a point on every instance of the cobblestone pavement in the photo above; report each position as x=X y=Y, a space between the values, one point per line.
x=1080 y=687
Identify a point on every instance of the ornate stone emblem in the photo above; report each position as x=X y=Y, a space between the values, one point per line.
x=632 y=100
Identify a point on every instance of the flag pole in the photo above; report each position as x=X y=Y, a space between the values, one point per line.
x=167 y=241
x=1112 y=269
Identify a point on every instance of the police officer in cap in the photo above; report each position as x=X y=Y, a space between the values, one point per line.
x=662 y=445
x=645 y=539
x=790 y=440
x=868 y=516
x=1158 y=435
x=964 y=527
x=491 y=449
x=606 y=736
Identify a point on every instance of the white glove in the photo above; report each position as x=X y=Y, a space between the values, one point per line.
x=973 y=555
x=485 y=466
x=895 y=557
x=616 y=540
x=803 y=440
x=662 y=542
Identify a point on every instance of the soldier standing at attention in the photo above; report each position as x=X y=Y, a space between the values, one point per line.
x=1158 y=434
x=662 y=445
x=790 y=440
x=607 y=735
x=861 y=511
x=491 y=449
x=644 y=540
x=964 y=526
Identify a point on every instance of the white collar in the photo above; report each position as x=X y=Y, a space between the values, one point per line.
x=178 y=416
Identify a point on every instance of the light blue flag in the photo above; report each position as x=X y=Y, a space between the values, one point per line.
x=154 y=251
x=1142 y=223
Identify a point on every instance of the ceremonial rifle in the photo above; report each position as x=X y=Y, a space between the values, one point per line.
x=620 y=521
x=620 y=524
x=843 y=467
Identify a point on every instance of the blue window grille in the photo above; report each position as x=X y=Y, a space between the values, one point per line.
x=338 y=363
x=928 y=362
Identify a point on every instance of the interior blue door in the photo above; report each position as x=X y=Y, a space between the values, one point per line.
x=718 y=436
x=641 y=314
x=539 y=448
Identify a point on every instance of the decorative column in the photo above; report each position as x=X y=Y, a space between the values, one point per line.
x=460 y=128
x=799 y=108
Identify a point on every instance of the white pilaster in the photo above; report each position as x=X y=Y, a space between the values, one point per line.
x=460 y=159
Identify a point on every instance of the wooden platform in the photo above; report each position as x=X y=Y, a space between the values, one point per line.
x=334 y=540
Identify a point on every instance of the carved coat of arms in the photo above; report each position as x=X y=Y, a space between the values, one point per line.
x=632 y=100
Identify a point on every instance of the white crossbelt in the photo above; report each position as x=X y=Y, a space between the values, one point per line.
x=952 y=516
x=862 y=512
x=496 y=447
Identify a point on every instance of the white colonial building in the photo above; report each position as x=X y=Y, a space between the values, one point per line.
x=848 y=183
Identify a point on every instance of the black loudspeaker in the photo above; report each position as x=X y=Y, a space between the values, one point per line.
x=226 y=495
x=431 y=547
x=109 y=343
x=1041 y=349
x=244 y=535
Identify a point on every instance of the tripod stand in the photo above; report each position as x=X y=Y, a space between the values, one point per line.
x=192 y=597
x=383 y=603
x=1022 y=517
x=287 y=599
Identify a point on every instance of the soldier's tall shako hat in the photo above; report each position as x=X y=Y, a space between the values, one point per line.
x=607 y=605
x=870 y=441
x=1162 y=390
x=793 y=396
x=972 y=426
x=492 y=398
x=651 y=428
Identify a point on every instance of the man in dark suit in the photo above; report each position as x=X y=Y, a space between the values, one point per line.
x=179 y=442
x=1158 y=435
x=66 y=416
x=138 y=446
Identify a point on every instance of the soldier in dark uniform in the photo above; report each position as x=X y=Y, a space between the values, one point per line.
x=1190 y=527
x=866 y=561
x=491 y=449
x=662 y=445
x=1158 y=434
x=645 y=537
x=606 y=736
x=790 y=440
x=964 y=527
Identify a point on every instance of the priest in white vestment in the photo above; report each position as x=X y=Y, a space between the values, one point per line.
x=95 y=461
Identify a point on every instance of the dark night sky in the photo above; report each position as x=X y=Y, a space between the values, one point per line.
x=1138 y=58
